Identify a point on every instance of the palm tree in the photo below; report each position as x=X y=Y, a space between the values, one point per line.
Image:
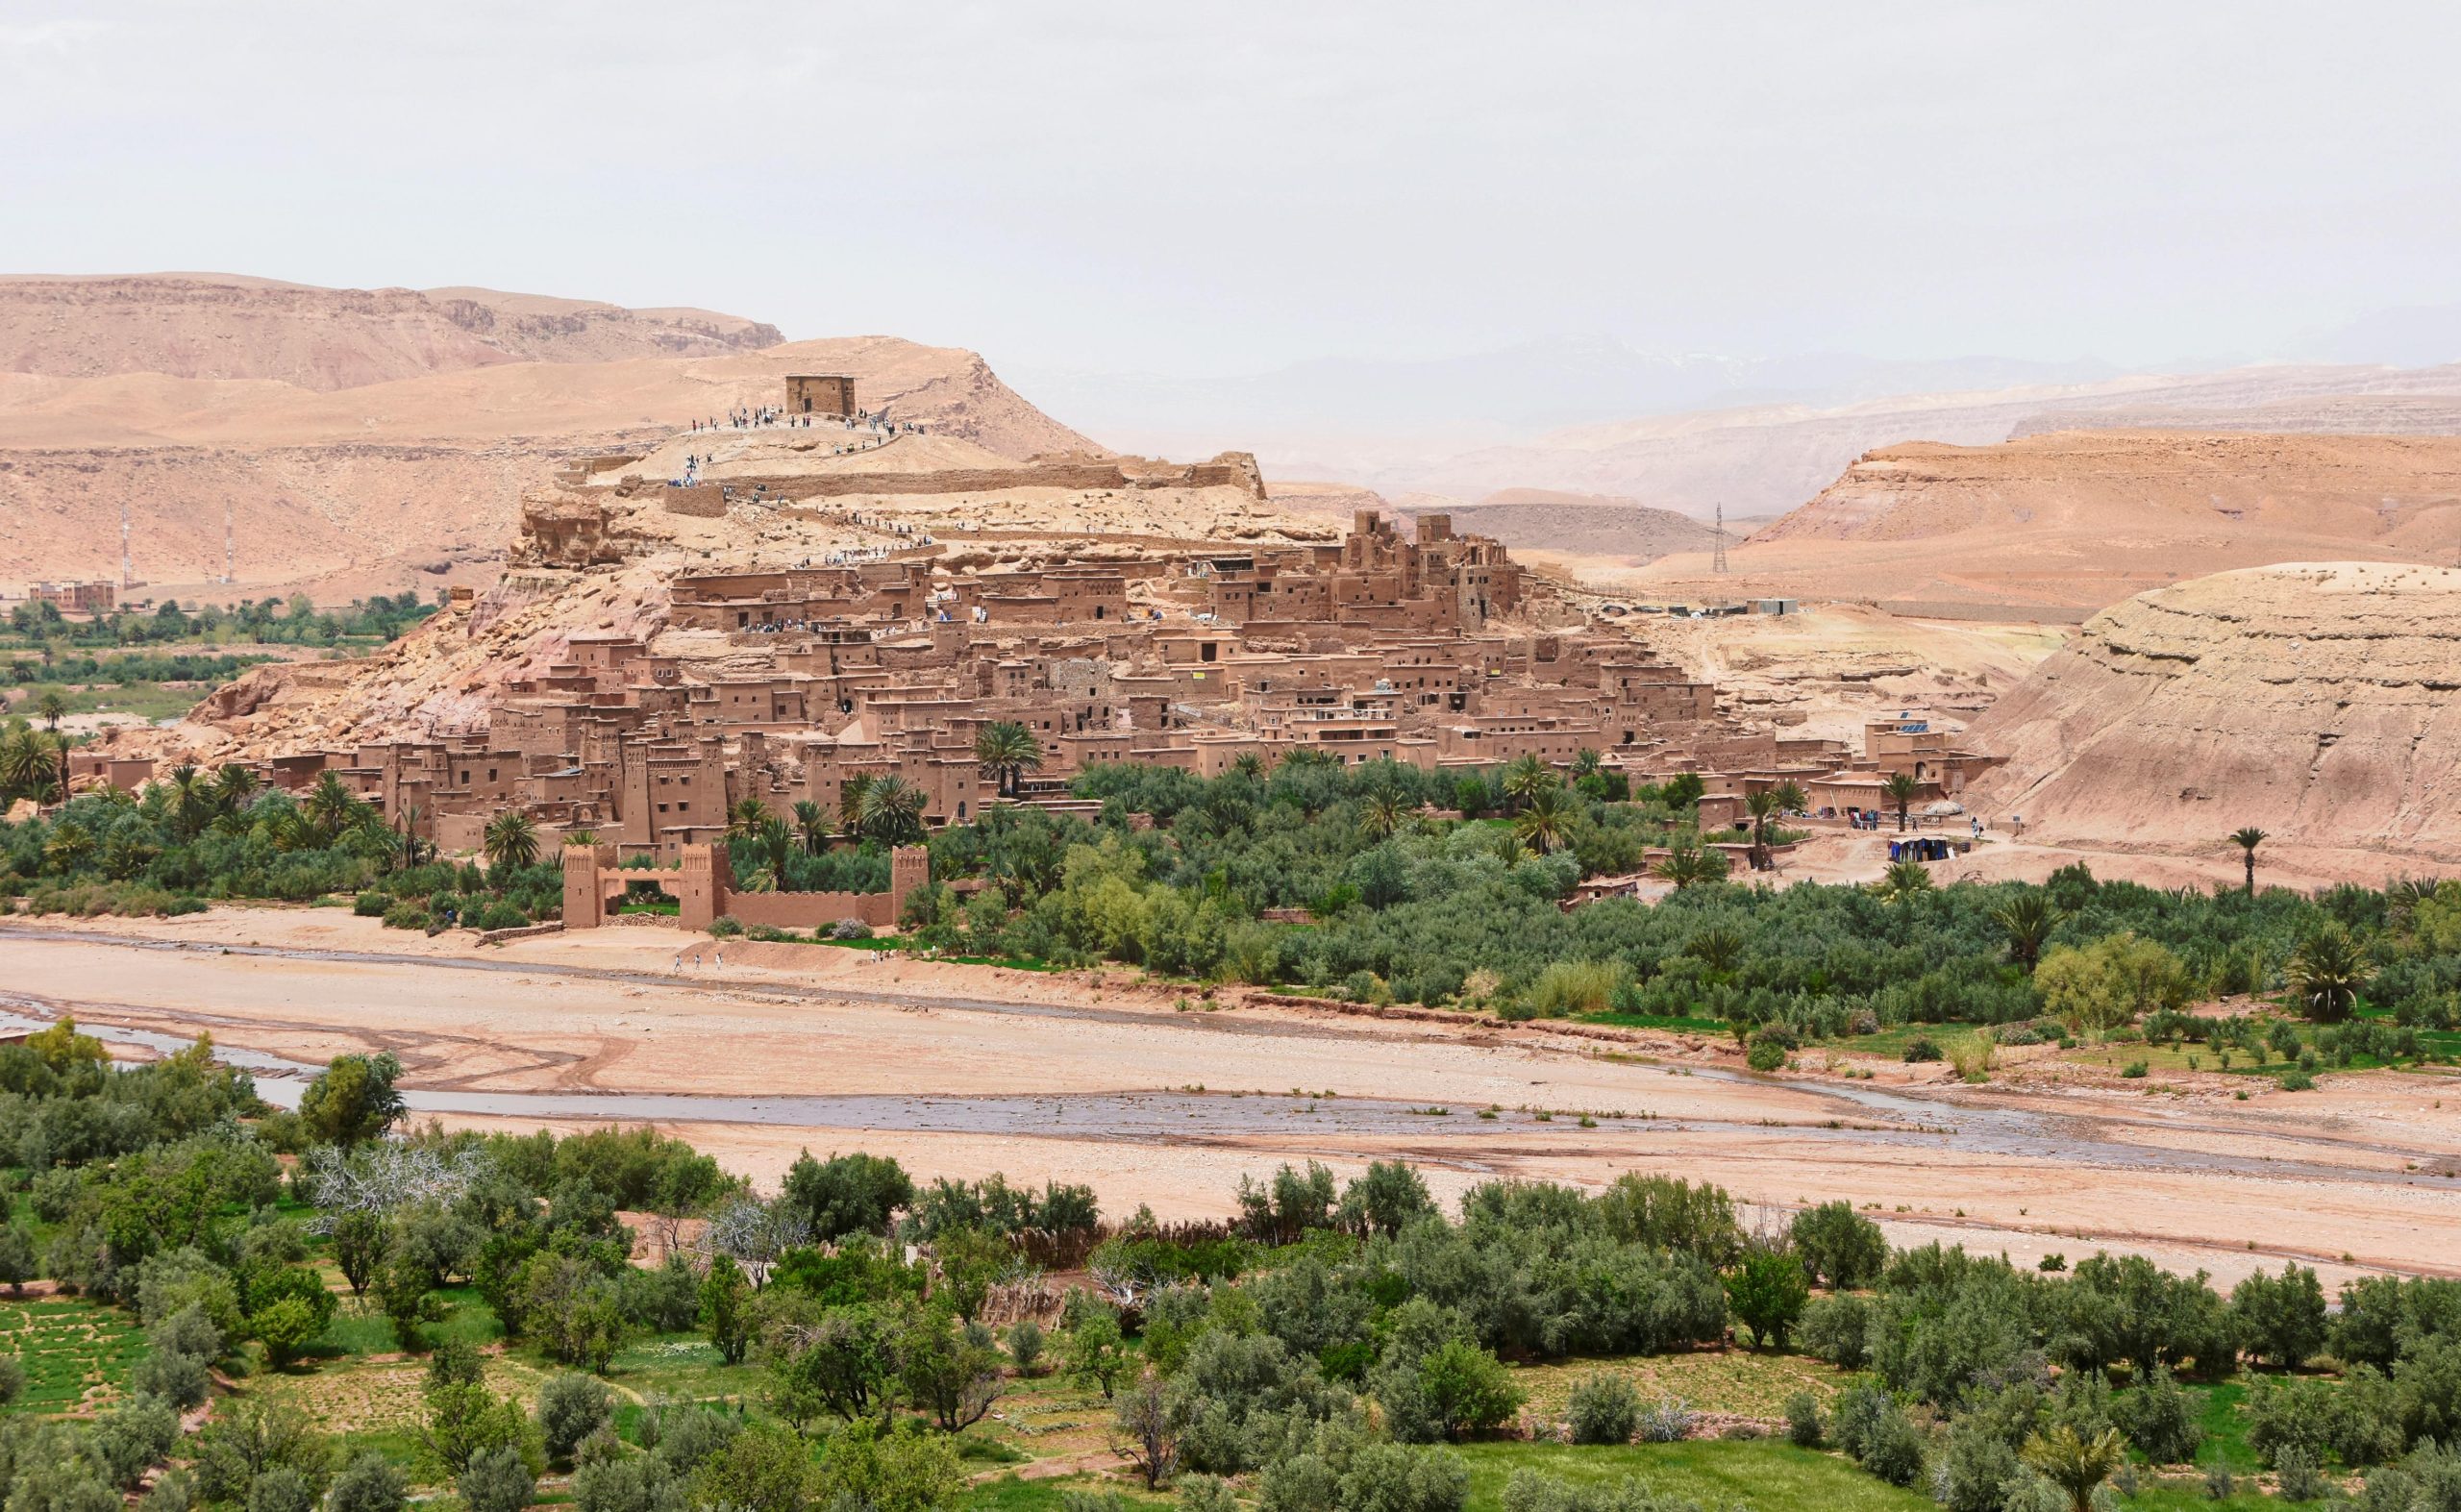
x=1902 y=790
x=192 y=799
x=70 y=846
x=51 y=706
x=1688 y=862
x=1717 y=948
x=1005 y=750
x=2027 y=919
x=1586 y=762
x=1250 y=765
x=2246 y=840
x=2326 y=973
x=1525 y=775
x=510 y=843
x=812 y=824
x=1546 y=821
x=892 y=810
x=744 y=816
x=850 y=804
x=2076 y=1465
x=1380 y=815
x=329 y=810
x=235 y=786
x=1903 y=881
x=1763 y=806
x=409 y=848
x=25 y=763
x=772 y=847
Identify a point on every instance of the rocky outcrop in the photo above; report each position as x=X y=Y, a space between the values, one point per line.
x=2319 y=702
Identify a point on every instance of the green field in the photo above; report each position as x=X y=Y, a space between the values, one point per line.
x=76 y=1354
x=1766 y=1474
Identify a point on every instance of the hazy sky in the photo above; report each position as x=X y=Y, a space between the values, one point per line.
x=1196 y=188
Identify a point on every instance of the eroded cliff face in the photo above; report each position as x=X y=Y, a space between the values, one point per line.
x=2319 y=702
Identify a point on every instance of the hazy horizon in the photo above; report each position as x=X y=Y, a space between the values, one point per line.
x=1113 y=189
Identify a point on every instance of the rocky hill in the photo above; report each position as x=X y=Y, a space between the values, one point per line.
x=214 y=325
x=399 y=483
x=2315 y=701
x=2059 y=524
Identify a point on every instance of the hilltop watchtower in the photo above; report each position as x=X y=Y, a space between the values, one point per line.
x=820 y=393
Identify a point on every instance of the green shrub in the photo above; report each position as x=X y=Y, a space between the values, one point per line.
x=407 y=916
x=498 y=1480
x=1803 y=1419
x=1603 y=1409
x=1766 y=1055
x=726 y=927
x=1921 y=1047
x=2134 y=1070
x=371 y=905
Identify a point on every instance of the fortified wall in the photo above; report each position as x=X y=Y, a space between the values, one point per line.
x=704 y=889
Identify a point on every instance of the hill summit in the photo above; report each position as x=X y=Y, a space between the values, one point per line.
x=2318 y=700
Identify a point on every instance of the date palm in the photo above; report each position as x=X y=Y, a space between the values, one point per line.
x=1250 y=765
x=1525 y=775
x=410 y=851
x=744 y=816
x=510 y=842
x=892 y=810
x=1381 y=815
x=2326 y=973
x=1902 y=790
x=1544 y=823
x=1005 y=750
x=25 y=763
x=811 y=824
x=2246 y=840
x=191 y=799
x=51 y=706
x=329 y=810
x=1904 y=880
x=850 y=804
x=2028 y=920
x=2076 y=1465
x=235 y=786
x=1688 y=863
x=1763 y=806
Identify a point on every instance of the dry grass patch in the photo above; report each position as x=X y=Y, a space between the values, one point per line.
x=1734 y=1381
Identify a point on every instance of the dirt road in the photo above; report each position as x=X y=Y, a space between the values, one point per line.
x=960 y=1071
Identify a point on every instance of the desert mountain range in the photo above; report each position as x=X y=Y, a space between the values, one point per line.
x=2056 y=526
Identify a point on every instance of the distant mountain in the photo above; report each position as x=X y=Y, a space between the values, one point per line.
x=221 y=325
x=1363 y=409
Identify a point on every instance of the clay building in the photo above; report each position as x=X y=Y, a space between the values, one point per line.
x=820 y=393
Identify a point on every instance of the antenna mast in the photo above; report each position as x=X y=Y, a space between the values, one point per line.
x=1718 y=565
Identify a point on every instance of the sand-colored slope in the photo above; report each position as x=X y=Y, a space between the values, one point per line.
x=207 y=325
x=2320 y=703
x=2078 y=520
x=377 y=486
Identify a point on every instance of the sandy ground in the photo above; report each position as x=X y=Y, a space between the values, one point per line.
x=962 y=1071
